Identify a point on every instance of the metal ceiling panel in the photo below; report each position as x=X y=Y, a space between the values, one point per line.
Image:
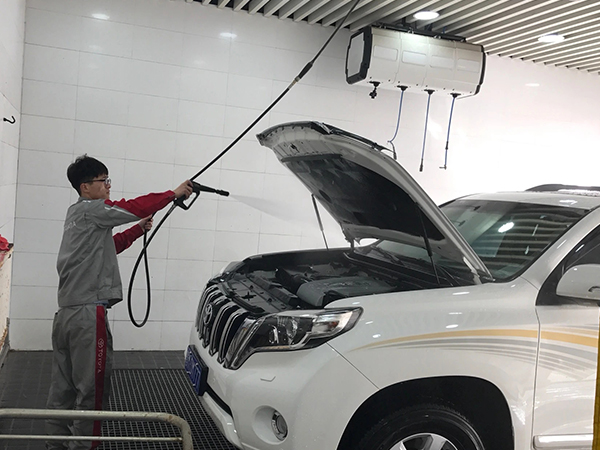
x=508 y=28
x=273 y=6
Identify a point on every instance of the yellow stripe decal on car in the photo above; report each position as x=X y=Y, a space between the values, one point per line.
x=571 y=338
x=530 y=334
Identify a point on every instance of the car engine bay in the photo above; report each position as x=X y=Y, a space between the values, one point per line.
x=313 y=279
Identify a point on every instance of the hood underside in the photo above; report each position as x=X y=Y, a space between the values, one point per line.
x=366 y=191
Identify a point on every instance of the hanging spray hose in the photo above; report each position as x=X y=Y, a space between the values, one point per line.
x=445 y=166
x=429 y=92
x=391 y=141
x=197 y=188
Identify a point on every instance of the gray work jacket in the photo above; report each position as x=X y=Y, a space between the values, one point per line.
x=87 y=260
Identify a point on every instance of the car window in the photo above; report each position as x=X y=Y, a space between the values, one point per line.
x=507 y=236
x=586 y=252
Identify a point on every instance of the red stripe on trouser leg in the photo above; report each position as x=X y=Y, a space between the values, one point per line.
x=100 y=365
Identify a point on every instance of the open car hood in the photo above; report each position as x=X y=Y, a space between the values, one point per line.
x=366 y=191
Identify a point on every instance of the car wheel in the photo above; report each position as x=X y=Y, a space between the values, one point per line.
x=424 y=427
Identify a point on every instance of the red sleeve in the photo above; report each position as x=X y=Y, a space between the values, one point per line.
x=124 y=240
x=144 y=205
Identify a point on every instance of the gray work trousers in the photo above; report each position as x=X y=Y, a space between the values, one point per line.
x=81 y=369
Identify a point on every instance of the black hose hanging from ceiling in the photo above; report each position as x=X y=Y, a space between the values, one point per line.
x=429 y=92
x=445 y=166
x=143 y=252
x=391 y=141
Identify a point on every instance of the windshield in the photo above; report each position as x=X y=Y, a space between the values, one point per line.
x=507 y=236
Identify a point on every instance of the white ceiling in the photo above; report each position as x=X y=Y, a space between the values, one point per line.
x=507 y=28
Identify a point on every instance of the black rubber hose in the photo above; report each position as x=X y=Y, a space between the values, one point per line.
x=143 y=254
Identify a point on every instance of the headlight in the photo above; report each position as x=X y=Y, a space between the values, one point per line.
x=289 y=331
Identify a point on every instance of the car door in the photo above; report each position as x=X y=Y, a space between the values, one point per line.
x=567 y=309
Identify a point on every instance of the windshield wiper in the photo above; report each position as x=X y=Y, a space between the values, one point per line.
x=451 y=278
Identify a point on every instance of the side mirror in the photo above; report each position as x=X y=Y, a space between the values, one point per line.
x=581 y=282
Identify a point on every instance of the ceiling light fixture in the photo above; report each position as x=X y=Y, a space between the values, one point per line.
x=101 y=16
x=552 y=38
x=228 y=35
x=426 y=15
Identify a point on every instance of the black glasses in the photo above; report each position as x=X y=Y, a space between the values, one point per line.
x=106 y=181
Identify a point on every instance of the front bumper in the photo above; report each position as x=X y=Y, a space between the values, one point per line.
x=316 y=391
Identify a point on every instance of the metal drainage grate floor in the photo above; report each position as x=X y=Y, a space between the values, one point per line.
x=161 y=390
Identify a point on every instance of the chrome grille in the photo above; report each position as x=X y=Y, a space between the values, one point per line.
x=232 y=326
x=215 y=333
x=209 y=316
x=211 y=292
x=218 y=321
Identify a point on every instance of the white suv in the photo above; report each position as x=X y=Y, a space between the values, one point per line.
x=466 y=327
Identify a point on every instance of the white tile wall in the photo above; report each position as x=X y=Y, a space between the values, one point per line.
x=193 y=150
x=42 y=168
x=178 y=304
x=105 y=72
x=104 y=140
x=191 y=245
x=156 y=89
x=47 y=134
x=41 y=98
x=30 y=334
x=205 y=86
x=33 y=302
x=12 y=33
x=8 y=164
x=200 y=118
x=54 y=65
x=153 y=145
x=269 y=243
x=174 y=335
x=127 y=337
x=158 y=270
x=106 y=37
x=139 y=304
x=53 y=29
x=103 y=106
x=157 y=45
x=187 y=275
x=207 y=53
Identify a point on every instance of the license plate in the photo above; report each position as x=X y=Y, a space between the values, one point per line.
x=196 y=369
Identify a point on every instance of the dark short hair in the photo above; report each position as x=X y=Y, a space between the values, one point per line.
x=85 y=168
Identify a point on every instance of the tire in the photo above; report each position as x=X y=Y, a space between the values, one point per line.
x=423 y=427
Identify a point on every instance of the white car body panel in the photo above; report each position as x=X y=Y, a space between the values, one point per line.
x=486 y=331
x=566 y=376
x=303 y=386
x=541 y=357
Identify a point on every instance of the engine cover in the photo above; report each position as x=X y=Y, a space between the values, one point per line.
x=320 y=293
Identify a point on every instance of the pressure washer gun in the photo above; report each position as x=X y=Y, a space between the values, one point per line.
x=197 y=188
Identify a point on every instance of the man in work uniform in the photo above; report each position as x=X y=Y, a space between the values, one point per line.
x=89 y=283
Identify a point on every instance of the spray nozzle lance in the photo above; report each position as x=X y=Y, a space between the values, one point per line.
x=197 y=188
